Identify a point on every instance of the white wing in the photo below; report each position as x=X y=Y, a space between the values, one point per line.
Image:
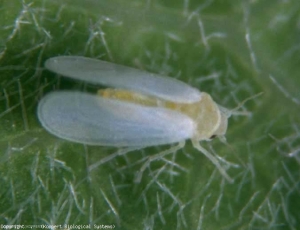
x=94 y=120
x=110 y=74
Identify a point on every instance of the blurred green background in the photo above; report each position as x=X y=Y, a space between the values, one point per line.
x=230 y=49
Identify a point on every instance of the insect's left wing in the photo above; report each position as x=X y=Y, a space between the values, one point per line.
x=118 y=76
x=94 y=120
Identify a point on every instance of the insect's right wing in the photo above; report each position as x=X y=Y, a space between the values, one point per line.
x=110 y=74
x=94 y=120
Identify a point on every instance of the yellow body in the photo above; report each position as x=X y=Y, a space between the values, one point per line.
x=204 y=112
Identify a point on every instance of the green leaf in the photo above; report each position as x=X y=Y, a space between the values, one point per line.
x=229 y=49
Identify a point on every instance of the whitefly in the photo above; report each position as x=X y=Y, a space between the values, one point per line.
x=140 y=109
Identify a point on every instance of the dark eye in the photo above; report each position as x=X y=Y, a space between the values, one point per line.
x=212 y=137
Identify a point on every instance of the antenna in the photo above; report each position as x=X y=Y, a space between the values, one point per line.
x=235 y=111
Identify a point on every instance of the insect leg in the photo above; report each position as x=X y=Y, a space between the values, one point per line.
x=119 y=152
x=212 y=159
x=155 y=157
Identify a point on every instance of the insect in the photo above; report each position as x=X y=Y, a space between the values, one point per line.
x=141 y=110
